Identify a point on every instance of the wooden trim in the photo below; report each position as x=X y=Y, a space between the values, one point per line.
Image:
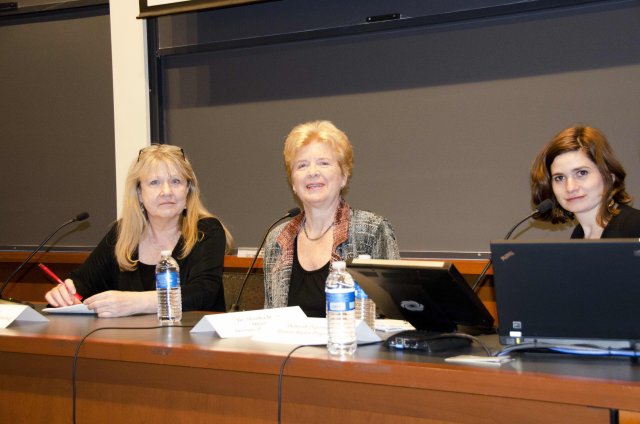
x=49 y=257
x=465 y=266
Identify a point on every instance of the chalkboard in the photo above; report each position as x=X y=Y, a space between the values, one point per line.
x=56 y=116
x=445 y=119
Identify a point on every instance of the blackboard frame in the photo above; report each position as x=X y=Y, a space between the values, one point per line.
x=494 y=216
x=154 y=8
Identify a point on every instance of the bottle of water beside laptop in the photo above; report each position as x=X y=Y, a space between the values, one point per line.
x=365 y=307
x=341 y=323
x=168 y=289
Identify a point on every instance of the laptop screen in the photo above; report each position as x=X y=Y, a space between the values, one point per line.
x=568 y=292
x=431 y=295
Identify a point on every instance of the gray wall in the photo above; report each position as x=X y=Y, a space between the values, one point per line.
x=445 y=119
x=57 y=137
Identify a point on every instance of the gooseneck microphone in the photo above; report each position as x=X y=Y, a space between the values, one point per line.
x=80 y=217
x=543 y=207
x=235 y=307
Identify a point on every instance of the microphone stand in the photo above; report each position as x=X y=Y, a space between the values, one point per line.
x=543 y=207
x=235 y=307
x=80 y=217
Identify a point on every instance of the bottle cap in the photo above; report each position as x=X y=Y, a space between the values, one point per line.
x=339 y=265
x=165 y=252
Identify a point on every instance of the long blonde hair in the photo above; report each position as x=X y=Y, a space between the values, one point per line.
x=134 y=219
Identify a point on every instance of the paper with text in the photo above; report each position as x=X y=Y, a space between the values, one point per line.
x=308 y=331
x=245 y=324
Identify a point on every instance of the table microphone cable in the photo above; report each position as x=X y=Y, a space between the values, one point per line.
x=284 y=362
x=84 y=338
x=471 y=338
x=281 y=375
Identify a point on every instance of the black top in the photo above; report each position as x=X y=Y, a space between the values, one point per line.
x=624 y=225
x=200 y=272
x=147 y=276
x=306 y=288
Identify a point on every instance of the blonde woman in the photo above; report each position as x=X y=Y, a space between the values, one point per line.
x=162 y=210
x=318 y=160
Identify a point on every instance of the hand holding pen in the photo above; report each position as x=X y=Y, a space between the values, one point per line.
x=57 y=279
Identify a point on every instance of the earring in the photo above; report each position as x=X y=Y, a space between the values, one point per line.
x=611 y=205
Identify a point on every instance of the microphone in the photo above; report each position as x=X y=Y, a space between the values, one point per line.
x=80 y=217
x=235 y=307
x=543 y=207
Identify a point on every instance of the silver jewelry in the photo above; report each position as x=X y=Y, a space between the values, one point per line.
x=304 y=227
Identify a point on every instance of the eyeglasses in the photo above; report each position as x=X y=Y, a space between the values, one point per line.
x=156 y=146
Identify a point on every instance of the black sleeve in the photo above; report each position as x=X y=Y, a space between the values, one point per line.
x=201 y=271
x=99 y=272
x=624 y=225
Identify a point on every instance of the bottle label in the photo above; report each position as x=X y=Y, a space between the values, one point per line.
x=167 y=280
x=341 y=300
x=360 y=294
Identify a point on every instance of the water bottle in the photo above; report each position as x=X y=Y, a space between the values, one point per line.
x=341 y=322
x=168 y=289
x=365 y=307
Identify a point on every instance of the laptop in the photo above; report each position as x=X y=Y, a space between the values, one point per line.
x=572 y=292
x=430 y=295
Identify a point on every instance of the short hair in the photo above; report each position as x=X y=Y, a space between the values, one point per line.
x=134 y=218
x=323 y=132
x=595 y=145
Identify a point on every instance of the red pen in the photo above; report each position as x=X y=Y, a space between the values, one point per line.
x=55 y=277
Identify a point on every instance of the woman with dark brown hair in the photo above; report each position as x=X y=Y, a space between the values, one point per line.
x=578 y=170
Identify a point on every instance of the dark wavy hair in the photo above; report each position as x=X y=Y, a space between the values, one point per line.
x=594 y=144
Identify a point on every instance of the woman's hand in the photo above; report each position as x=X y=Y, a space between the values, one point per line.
x=62 y=295
x=113 y=303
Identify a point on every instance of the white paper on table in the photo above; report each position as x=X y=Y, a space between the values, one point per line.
x=390 y=325
x=308 y=331
x=479 y=360
x=10 y=313
x=79 y=308
x=245 y=324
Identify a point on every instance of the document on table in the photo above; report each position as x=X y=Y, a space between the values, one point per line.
x=80 y=308
x=392 y=325
x=10 y=312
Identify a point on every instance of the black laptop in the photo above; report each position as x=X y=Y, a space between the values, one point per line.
x=573 y=292
x=431 y=295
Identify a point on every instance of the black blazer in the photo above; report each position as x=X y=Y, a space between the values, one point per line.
x=624 y=225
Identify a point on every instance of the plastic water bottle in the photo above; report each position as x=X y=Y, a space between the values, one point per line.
x=365 y=307
x=168 y=289
x=341 y=321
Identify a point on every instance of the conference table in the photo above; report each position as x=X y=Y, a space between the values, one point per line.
x=132 y=371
